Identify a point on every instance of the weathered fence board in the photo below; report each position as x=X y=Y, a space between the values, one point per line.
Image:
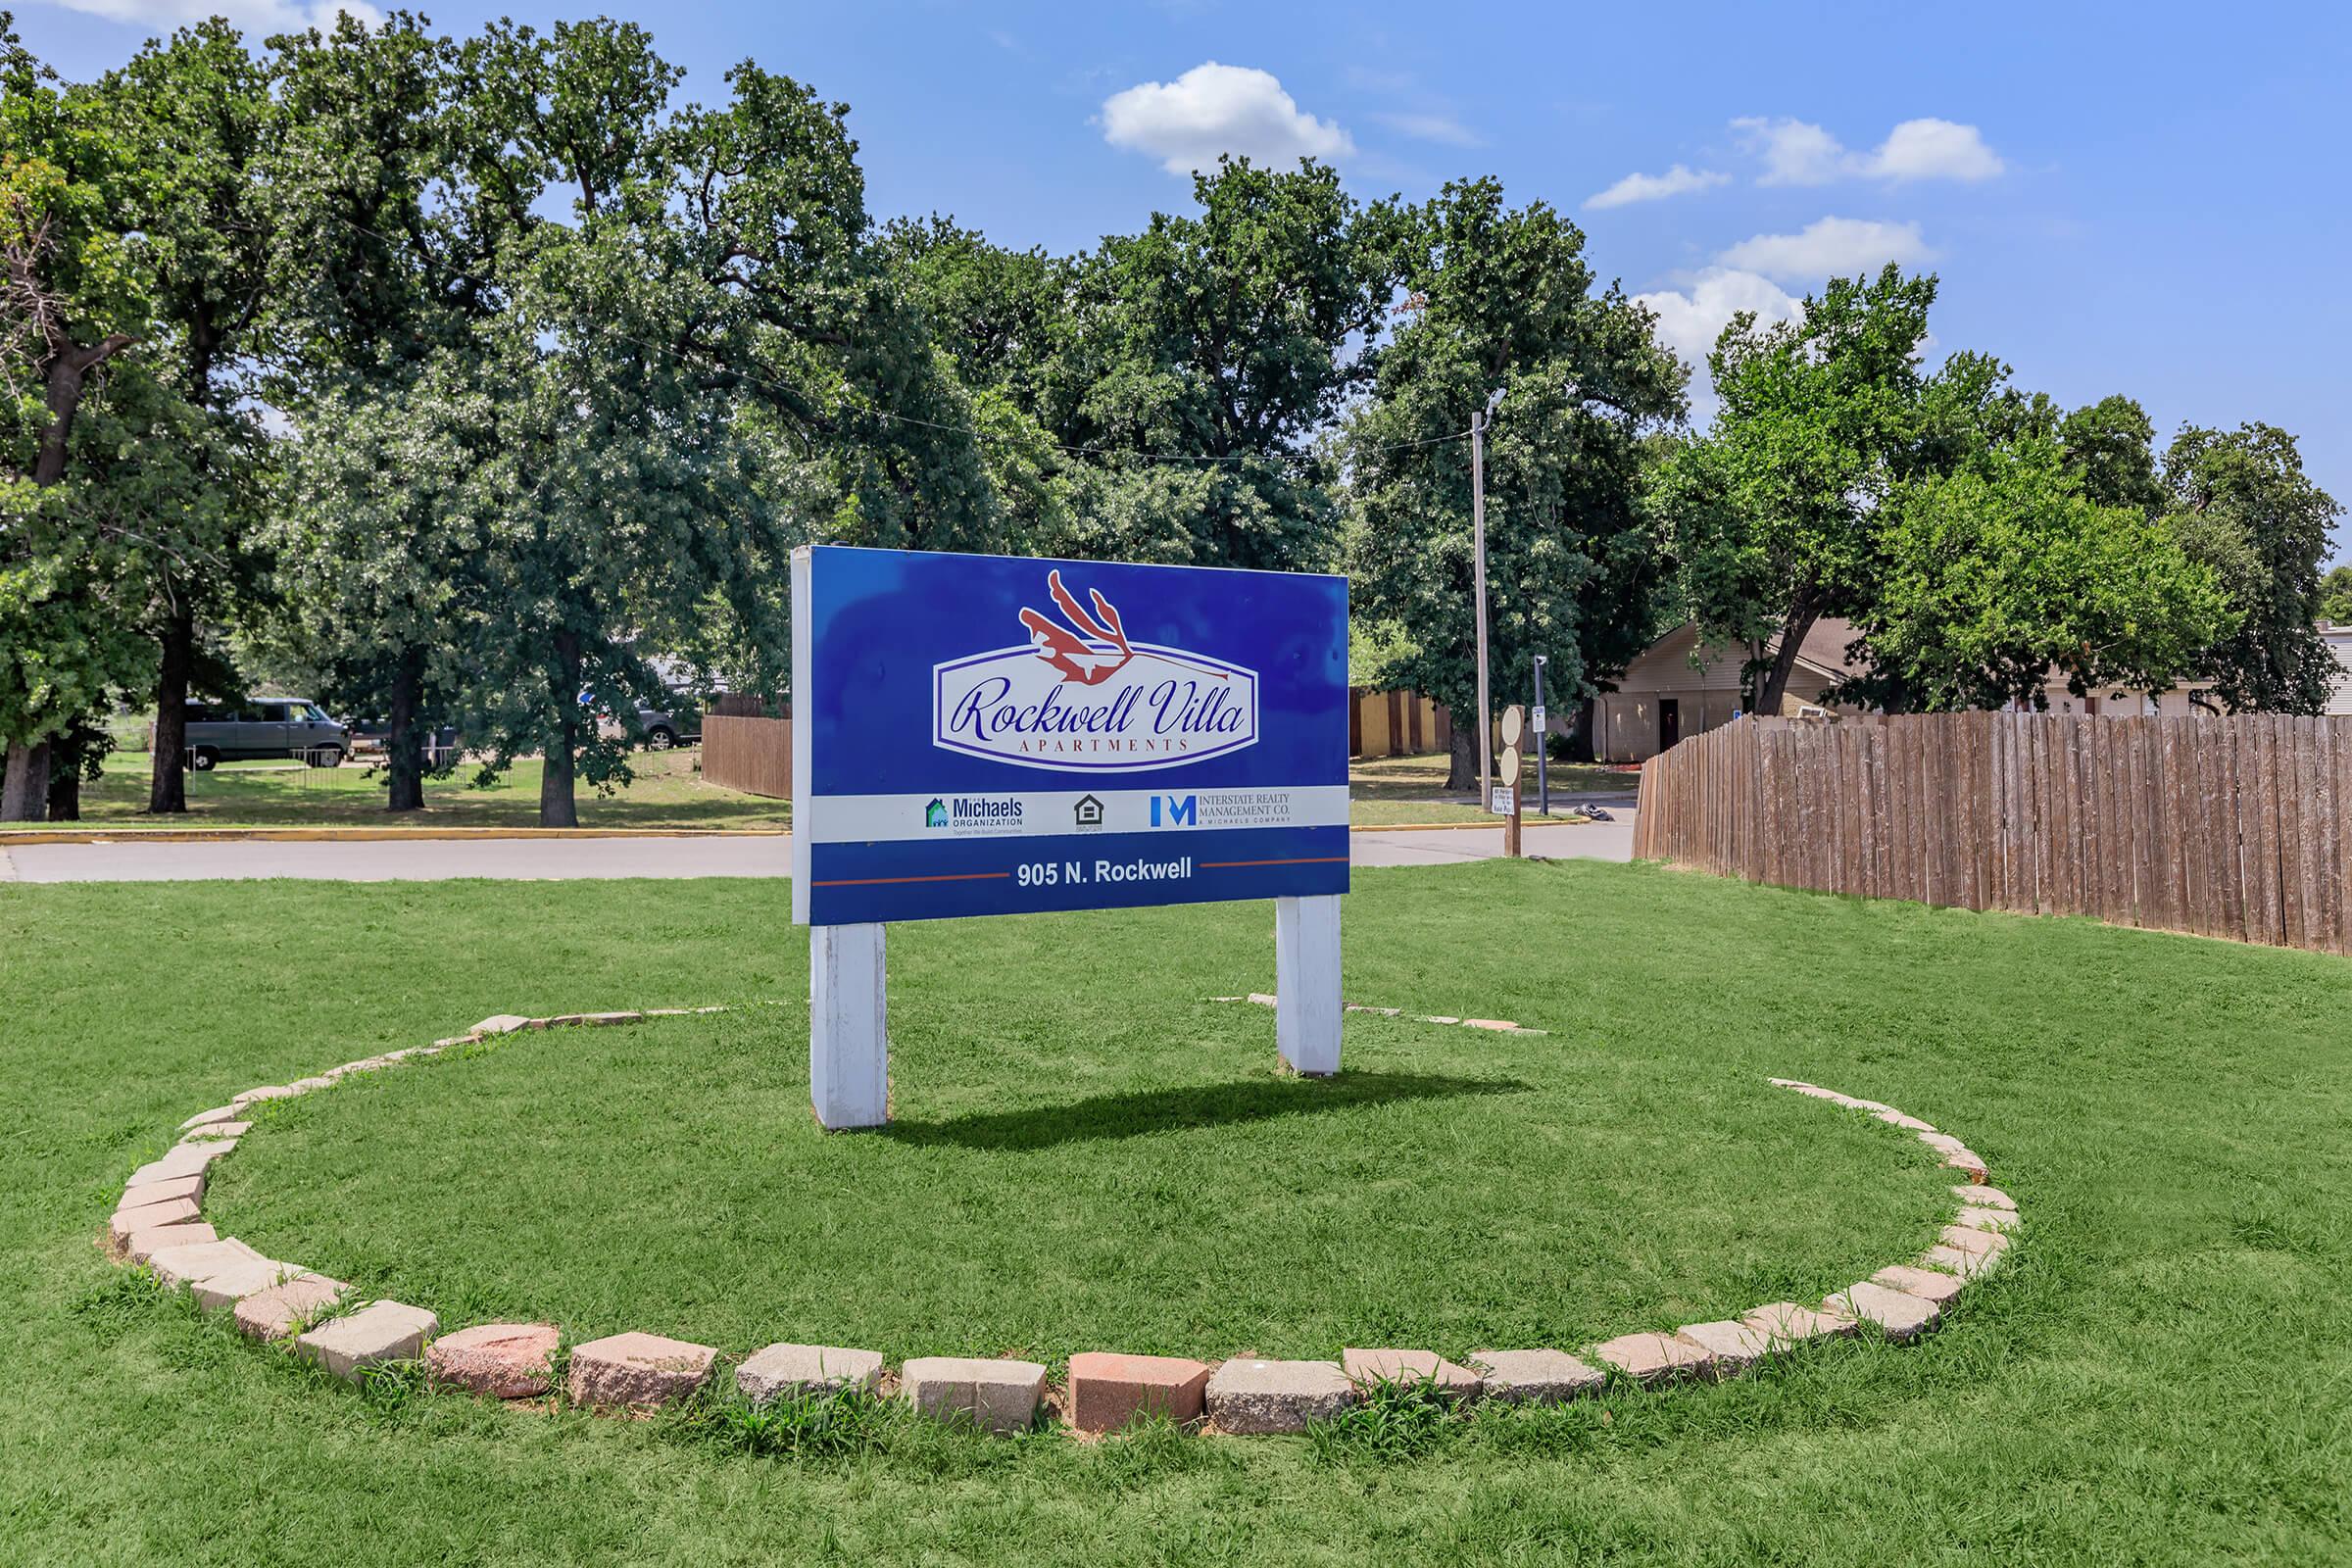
x=752 y=755
x=2228 y=827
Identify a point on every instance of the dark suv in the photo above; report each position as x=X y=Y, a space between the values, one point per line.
x=267 y=726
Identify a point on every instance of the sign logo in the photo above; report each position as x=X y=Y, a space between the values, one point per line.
x=1182 y=811
x=966 y=814
x=1080 y=696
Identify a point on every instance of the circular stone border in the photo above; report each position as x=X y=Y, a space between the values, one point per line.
x=159 y=1224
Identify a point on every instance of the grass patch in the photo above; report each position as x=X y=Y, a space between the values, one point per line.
x=1065 y=1175
x=2154 y=1381
x=667 y=792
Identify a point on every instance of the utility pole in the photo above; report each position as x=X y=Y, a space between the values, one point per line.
x=1543 y=724
x=1477 y=532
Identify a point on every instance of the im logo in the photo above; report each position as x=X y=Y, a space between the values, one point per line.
x=1182 y=811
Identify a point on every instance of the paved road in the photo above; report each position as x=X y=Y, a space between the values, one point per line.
x=432 y=860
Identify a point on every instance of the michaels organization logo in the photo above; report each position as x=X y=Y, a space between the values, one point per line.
x=1079 y=695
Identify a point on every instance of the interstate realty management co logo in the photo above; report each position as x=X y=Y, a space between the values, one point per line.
x=1079 y=695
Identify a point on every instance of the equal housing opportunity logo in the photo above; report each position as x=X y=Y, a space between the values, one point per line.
x=1079 y=695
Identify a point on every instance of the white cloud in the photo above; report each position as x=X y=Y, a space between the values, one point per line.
x=1691 y=320
x=1433 y=128
x=256 y=19
x=1796 y=152
x=1675 y=181
x=1214 y=109
x=1935 y=149
x=1828 y=247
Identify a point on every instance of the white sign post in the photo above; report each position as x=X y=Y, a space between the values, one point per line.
x=1307 y=983
x=849 y=1027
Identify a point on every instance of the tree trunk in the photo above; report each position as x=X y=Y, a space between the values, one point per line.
x=1800 y=621
x=402 y=749
x=1461 y=762
x=167 y=779
x=24 y=795
x=557 y=806
x=65 y=793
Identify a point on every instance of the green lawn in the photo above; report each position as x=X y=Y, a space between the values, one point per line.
x=667 y=792
x=1412 y=789
x=2156 y=1377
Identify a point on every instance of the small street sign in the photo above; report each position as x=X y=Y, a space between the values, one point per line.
x=1536 y=717
x=1504 y=799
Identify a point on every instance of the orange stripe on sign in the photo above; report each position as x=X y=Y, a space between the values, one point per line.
x=1303 y=859
x=881 y=881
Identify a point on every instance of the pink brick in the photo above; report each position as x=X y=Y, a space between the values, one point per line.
x=380 y=1331
x=207 y=1118
x=1974 y=1218
x=1367 y=1368
x=637 y=1371
x=1968 y=1265
x=1731 y=1347
x=158 y=1191
x=1928 y=1284
x=1962 y=1239
x=505 y=1360
x=127 y=1222
x=1109 y=1391
x=198 y=1261
x=1783 y=1325
x=1897 y=1314
x=1984 y=1196
x=275 y=1312
x=1652 y=1358
x=1533 y=1377
x=142 y=1246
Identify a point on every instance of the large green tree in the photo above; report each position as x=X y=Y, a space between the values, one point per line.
x=74 y=305
x=697 y=360
x=200 y=117
x=2241 y=502
x=375 y=290
x=1773 y=517
x=2004 y=575
x=1501 y=298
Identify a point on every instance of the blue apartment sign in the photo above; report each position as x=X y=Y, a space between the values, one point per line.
x=992 y=734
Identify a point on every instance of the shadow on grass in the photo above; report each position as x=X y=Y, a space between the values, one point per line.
x=1153 y=1111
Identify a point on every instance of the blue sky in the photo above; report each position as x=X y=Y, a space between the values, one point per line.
x=2148 y=199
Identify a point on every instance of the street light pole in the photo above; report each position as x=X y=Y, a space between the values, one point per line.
x=1477 y=533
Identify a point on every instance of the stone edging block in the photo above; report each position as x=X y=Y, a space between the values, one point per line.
x=503 y=1360
x=1253 y=1397
x=999 y=1396
x=636 y=1371
x=1108 y=1392
x=780 y=1370
x=379 y=1332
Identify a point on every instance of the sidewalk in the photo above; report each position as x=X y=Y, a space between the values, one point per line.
x=126 y=860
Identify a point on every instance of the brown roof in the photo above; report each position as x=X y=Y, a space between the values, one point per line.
x=1824 y=647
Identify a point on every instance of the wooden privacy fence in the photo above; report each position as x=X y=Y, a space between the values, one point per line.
x=2228 y=827
x=752 y=755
